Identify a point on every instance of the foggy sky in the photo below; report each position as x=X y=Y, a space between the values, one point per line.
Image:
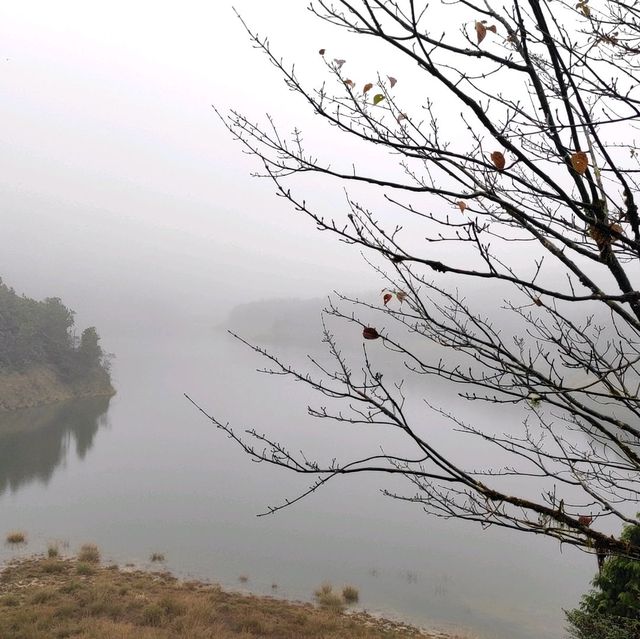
x=121 y=191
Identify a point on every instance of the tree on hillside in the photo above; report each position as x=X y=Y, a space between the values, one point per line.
x=511 y=131
x=55 y=321
x=612 y=609
x=38 y=333
x=90 y=351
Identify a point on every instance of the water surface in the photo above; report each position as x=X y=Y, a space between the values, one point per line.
x=144 y=472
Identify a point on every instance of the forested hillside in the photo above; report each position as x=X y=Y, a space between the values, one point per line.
x=39 y=336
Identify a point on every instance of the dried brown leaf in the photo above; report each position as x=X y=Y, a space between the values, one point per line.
x=368 y=332
x=498 y=160
x=580 y=162
x=481 y=31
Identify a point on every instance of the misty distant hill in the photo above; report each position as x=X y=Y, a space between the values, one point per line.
x=279 y=321
x=280 y=325
x=298 y=322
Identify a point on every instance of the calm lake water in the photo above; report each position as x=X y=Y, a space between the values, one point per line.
x=145 y=472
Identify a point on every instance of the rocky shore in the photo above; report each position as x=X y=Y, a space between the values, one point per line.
x=41 y=385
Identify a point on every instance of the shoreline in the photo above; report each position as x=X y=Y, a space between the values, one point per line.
x=41 y=386
x=46 y=596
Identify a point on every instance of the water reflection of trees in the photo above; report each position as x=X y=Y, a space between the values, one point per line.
x=34 y=442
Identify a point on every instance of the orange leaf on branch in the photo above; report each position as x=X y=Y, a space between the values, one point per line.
x=481 y=31
x=580 y=162
x=462 y=206
x=498 y=160
x=368 y=332
x=387 y=298
x=367 y=87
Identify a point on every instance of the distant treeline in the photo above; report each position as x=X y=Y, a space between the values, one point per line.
x=40 y=333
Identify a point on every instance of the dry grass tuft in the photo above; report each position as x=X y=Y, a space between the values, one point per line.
x=172 y=605
x=89 y=553
x=10 y=601
x=45 y=604
x=325 y=589
x=156 y=556
x=53 y=552
x=69 y=587
x=43 y=595
x=328 y=599
x=53 y=566
x=243 y=579
x=16 y=537
x=152 y=615
x=331 y=601
x=85 y=569
x=350 y=594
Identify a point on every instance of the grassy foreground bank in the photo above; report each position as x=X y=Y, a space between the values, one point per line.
x=46 y=598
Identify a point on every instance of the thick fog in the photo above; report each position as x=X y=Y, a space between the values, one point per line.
x=125 y=195
x=122 y=192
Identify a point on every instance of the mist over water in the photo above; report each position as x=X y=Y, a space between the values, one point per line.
x=122 y=194
x=152 y=475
